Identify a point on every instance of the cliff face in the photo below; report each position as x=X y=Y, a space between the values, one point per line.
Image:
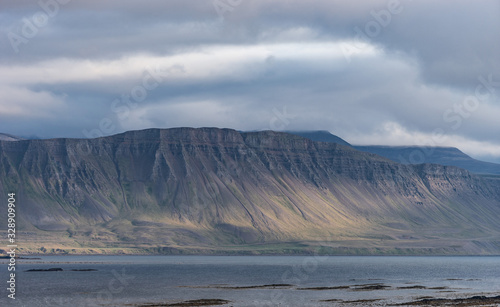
x=206 y=188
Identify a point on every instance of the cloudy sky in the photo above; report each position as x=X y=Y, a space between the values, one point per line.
x=377 y=72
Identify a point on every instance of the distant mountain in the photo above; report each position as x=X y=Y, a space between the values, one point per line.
x=9 y=137
x=413 y=154
x=439 y=155
x=320 y=136
x=214 y=190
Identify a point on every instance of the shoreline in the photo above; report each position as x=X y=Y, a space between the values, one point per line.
x=23 y=256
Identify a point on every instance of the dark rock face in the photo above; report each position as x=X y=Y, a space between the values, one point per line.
x=208 y=186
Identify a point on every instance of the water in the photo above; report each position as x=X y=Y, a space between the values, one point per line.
x=135 y=280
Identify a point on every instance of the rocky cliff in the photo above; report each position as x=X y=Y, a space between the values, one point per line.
x=218 y=190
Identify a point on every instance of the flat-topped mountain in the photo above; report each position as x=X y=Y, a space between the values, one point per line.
x=213 y=190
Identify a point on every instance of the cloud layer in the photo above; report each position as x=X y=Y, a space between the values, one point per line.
x=382 y=72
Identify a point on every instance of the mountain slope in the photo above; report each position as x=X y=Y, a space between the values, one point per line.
x=218 y=190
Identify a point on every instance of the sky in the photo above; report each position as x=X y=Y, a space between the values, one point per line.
x=373 y=72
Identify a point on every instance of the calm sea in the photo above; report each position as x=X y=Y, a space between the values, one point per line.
x=247 y=280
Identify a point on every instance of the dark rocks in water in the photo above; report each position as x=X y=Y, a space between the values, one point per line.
x=271 y=286
x=200 y=302
x=412 y=287
x=470 y=301
x=370 y=287
x=361 y=301
x=60 y=270
x=324 y=288
x=45 y=270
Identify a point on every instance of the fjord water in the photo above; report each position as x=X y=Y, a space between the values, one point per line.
x=135 y=280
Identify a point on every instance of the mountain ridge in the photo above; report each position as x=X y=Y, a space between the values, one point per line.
x=320 y=136
x=206 y=190
x=450 y=156
x=439 y=155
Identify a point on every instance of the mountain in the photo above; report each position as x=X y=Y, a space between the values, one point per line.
x=212 y=190
x=438 y=155
x=9 y=137
x=320 y=136
x=412 y=154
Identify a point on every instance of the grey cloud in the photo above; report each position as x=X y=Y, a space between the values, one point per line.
x=429 y=58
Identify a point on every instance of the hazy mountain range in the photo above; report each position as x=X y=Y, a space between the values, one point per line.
x=212 y=190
